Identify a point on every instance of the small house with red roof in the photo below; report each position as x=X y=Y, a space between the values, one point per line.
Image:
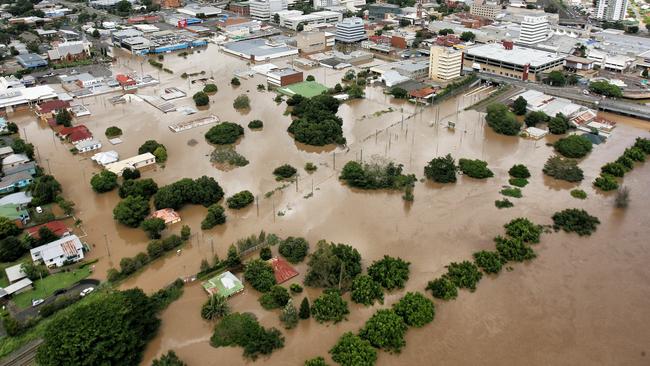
x=50 y=108
x=282 y=270
x=76 y=133
x=57 y=227
x=168 y=215
x=125 y=80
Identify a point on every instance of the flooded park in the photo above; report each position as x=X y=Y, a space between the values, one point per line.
x=583 y=301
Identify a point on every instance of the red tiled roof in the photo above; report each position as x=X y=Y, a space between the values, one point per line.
x=76 y=133
x=52 y=105
x=124 y=80
x=282 y=269
x=68 y=130
x=57 y=227
x=421 y=93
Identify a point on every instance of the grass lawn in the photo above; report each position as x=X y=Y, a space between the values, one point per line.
x=46 y=287
x=307 y=89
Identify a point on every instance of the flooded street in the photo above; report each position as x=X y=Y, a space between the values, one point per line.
x=583 y=301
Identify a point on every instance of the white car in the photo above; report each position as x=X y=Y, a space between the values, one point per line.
x=86 y=291
x=39 y=209
x=37 y=302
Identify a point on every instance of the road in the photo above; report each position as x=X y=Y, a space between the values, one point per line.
x=575 y=94
x=32 y=312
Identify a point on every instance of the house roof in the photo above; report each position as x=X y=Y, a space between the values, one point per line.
x=106 y=157
x=25 y=282
x=30 y=165
x=11 y=211
x=87 y=143
x=76 y=133
x=57 y=227
x=6 y=150
x=167 y=214
x=15 y=158
x=15 y=273
x=18 y=198
x=52 y=105
x=282 y=269
x=225 y=284
x=67 y=246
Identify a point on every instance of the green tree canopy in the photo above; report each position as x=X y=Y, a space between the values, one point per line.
x=131 y=211
x=519 y=106
x=153 y=227
x=259 y=274
x=294 y=249
x=330 y=307
x=332 y=265
x=353 y=350
x=168 y=359
x=216 y=216
x=574 y=146
x=44 y=190
x=366 y=291
x=415 y=309
x=225 y=133
x=103 y=181
x=501 y=120
x=391 y=273
x=441 y=169
x=558 y=125
x=385 y=330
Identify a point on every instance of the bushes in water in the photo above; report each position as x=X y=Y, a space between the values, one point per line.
x=504 y=203
x=259 y=274
x=240 y=200
x=574 y=146
x=415 y=309
x=201 y=99
x=294 y=249
x=511 y=192
x=210 y=88
x=524 y=229
x=316 y=122
x=353 y=350
x=385 y=330
x=285 y=171
x=215 y=216
x=241 y=102
x=501 y=120
x=225 y=133
x=275 y=298
x=578 y=193
x=376 y=175
x=255 y=124
x=575 y=220
x=441 y=169
x=622 y=197
x=366 y=291
x=519 y=171
x=443 y=288
x=464 y=274
x=606 y=182
x=332 y=265
x=113 y=131
x=228 y=155
x=391 y=273
x=243 y=330
x=204 y=191
x=518 y=182
x=475 y=168
x=563 y=169
x=489 y=262
x=216 y=307
x=143 y=187
x=330 y=306
x=614 y=169
x=513 y=249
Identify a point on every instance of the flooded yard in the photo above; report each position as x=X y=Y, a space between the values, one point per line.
x=583 y=301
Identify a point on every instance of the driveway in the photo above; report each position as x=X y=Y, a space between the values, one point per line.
x=32 y=312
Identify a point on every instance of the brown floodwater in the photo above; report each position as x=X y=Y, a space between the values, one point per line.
x=583 y=301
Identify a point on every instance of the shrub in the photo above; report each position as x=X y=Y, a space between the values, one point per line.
x=389 y=272
x=365 y=291
x=228 y=155
x=305 y=309
x=210 y=88
x=415 y=309
x=224 y=133
x=113 y=132
x=523 y=229
x=255 y=124
x=519 y=106
x=622 y=199
x=513 y=249
x=475 y=168
x=518 y=182
x=330 y=306
x=316 y=122
x=464 y=274
x=578 y=193
x=155 y=249
x=310 y=167
x=241 y=102
x=558 y=125
x=501 y=120
x=149 y=146
x=243 y=330
x=153 y=227
x=130 y=174
x=642 y=144
x=504 y=203
x=216 y=307
x=240 y=200
x=605 y=88
x=289 y=315
x=316 y=361
x=606 y=182
x=201 y=99
x=575 y=220
x=294 y=249
x=275 y=298
x=385 y=330
x=265 y=253
x=325 y=265
x=103 y=181
x=441 y=170
x=352 y=350
x=536 y=117
x=376 y=175
x=131 y=211
x=573 y=146
x=295 y=288
x=511 y=192
x=285 y=171
x=615 y=169
x=168 y=359
x=626 y=162
x=235 y=82
x=214 y=217
x=443 y=288
x=563 y=169
x=260 y=275
x=635 y=154
x=519 y=171
x=144 y=188
x=489 y=262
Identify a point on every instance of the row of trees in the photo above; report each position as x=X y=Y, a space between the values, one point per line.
x=609 y=172
x=377 y=175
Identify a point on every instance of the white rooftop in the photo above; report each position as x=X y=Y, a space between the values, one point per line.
x=15 y=273
x=518 y=55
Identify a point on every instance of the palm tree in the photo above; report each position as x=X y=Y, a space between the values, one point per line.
x=215 y=307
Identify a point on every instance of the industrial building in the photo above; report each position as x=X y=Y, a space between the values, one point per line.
x=283 y=77
x=350 y=30
x=445 y=63
x=259 y=49
x=506 y=59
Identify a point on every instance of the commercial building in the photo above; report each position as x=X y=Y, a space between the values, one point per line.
x=265 y=9
x=199 y=11
x=445 y=63
x=283 y=77
x=512 y=61
x=291 y=19
x=240 y=8
x=534 y=30
x=68 y=249
x=611 y=62
x=310 y=42
x=259 y=49
x=409 y=69
x=379 y=11
x=69 y=51
x=14 y=98
x=136 y=162
x=611 y=10
x=350 y=30
x=31 y=61
x=485 y=9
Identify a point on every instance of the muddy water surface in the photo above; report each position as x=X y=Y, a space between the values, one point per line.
x=583 y=301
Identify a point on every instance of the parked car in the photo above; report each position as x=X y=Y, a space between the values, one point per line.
x=86 y=291
x=39 y=209
x=37 y=302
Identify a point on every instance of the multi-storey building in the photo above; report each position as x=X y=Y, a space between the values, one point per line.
x=445 y=63
x=533 y=30
x=350 y=30
x=611 y=10
x=265 y=9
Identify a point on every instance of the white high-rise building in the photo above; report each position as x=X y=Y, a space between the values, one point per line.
x=350 y=30
x=265 y=9
x=611 y=10
x=444 y=63
x=533 y=30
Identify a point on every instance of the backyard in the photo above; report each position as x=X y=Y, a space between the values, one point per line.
x=46 y=287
